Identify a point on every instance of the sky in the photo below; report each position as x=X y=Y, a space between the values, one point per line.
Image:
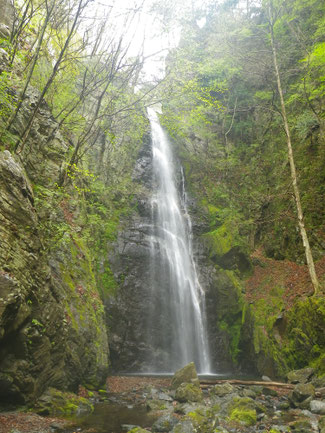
x=143 y=30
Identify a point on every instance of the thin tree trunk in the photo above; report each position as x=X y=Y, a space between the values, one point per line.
x=26 y=132
x=309 y=256
x=31 y=70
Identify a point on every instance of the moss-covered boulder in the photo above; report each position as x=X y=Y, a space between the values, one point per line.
x=302 y=395
x=55 y=402
x=204 y=420
x=186 y=374
x=222 y=389
x=300 y=376
x=189 y=392
x=242 y=410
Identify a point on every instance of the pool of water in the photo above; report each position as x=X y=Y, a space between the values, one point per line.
x=108 y=418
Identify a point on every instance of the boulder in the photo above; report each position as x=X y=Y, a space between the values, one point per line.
x=266 y=379
x=222 y=389
x=184 y=427
x=302 y=395
x=4 y=31
x=55 y=402
x=186 y=374
x=318 y=407
x=165 y=423
x=301 y=426
x=300 y=376
x=189 y=392
x=242 y=410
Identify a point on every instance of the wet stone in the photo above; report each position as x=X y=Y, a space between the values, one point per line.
x=165 y=423
x=184 y=427
x=317 y=407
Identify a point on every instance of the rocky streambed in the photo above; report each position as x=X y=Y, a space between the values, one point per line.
x=184 y=405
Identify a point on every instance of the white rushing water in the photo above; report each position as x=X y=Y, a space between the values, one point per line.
x=177 y=320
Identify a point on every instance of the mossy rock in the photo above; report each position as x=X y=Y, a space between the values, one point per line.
x=55 y=402
x=156 y=405
x=242 y=410
x=138 y=430
x=203 y=420
x=188 y=392
x=243 y=416
x=185 y=426
x=164 y=424
x=186 y=374
x=300 y=376
x=222 y=389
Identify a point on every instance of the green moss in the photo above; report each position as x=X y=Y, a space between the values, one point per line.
x=244 y=416
x=219 y=241
x=242 y=409
x=203 y=420
x=230 y=311
x=188 y=392
x=62 y=403
x=300 y=343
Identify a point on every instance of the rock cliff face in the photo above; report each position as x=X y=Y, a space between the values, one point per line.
x=128 y=312
x=52 y=328
x=7 y=13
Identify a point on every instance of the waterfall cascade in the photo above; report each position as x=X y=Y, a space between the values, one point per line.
x=176 y=317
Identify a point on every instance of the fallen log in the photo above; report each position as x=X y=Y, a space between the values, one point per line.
x=207 y=383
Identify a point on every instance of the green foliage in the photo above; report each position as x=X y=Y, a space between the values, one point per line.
x=232 y=142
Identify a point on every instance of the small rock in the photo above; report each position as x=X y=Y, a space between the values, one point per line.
x=128 y=427
x=318 y=407
x=266 y=379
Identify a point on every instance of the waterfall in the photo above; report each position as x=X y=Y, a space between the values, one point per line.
x=176 y=317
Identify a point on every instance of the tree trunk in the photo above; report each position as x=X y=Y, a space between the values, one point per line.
x=309 y=256
x=26 y=132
